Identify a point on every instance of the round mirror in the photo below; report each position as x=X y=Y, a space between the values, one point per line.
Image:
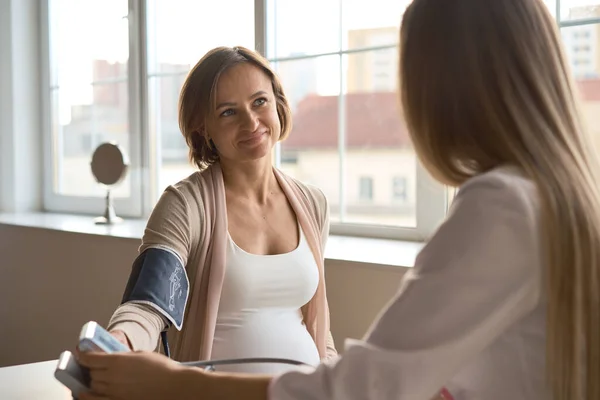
x=109 y=167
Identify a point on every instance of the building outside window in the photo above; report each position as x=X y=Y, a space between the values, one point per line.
x=400 y=189
x=365 y=192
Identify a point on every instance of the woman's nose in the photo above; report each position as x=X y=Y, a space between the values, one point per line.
x=250 y=121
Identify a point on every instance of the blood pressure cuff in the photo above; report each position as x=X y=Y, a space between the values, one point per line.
x=158 y=279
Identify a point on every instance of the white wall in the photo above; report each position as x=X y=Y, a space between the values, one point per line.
x=52 y=282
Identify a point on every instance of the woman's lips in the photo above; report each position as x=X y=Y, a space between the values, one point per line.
x=254 y=138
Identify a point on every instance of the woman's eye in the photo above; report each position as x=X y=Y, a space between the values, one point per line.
x=227 y=113
x=260 y=102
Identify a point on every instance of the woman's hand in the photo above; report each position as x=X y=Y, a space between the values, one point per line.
x=131 y=376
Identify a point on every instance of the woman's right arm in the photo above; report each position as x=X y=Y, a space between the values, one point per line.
x=137 y=326
x=137 y=322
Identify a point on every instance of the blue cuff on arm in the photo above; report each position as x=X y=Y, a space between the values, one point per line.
x=159 y=280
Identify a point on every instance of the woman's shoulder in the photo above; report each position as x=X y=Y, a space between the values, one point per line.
x=183 y=200
x=193 y=187
x=179 y=211
x=507 y=176
x=187 y=184
x=495 y=215
x=504 y=189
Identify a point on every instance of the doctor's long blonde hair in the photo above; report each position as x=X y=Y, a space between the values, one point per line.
x=485 y=83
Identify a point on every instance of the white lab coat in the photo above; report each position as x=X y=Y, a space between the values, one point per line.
x=470 y=315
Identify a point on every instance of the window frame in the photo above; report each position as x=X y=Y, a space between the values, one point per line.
x=432 y=198
x=130 y=206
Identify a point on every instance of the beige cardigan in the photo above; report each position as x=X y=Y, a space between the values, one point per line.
x=190 y=219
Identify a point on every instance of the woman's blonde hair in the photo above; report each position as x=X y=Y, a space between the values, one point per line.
x=485 y=83
x=197 y=98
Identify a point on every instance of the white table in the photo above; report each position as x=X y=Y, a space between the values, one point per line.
x=32 y=382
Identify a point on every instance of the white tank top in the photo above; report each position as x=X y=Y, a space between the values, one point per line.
x=259 y=312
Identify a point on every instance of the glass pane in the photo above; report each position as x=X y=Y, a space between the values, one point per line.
x=380 y=163
x=182 y=31
x=581 y=43
x=573 y=10
x=173 y=150
x=310 y=153
x=89 y=53
x=362 y=28
x=305 y=27
x=582 y=50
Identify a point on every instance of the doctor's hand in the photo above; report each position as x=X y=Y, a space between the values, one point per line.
x=131 y=376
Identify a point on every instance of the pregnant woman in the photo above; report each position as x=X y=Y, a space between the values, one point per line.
x=232 y=256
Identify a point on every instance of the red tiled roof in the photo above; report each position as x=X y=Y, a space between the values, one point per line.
x=372 y=120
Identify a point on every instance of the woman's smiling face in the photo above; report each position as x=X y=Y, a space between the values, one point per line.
x=244 y=125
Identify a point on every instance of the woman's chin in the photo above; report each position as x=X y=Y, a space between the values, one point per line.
x=250 y=155
x=258 y=152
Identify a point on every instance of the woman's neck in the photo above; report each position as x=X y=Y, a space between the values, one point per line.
x=253 y=180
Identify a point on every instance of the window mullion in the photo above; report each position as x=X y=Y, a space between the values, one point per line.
x=150 y=161
x=134 y=102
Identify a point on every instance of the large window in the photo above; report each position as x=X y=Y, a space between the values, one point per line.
x=115 y=68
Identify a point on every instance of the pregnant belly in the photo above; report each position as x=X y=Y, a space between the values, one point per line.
x=279 y=334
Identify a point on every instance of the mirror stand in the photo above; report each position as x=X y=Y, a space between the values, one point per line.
x=110 y=217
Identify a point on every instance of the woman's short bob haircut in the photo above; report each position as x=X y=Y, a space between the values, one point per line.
x=197 y=97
